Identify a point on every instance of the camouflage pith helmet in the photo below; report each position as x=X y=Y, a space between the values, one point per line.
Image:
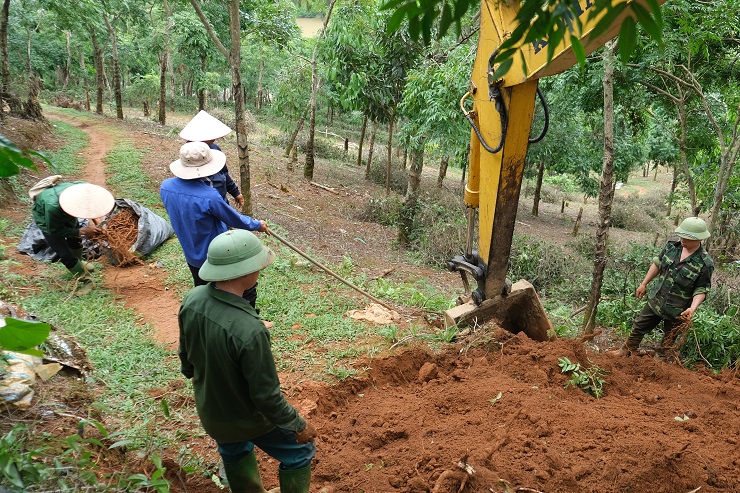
x=693 y=228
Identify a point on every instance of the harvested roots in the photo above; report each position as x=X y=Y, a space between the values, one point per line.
x=117 y=237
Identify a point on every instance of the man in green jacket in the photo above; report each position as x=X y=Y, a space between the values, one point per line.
x=681 y=275
x=56 y=209
x=225 y=349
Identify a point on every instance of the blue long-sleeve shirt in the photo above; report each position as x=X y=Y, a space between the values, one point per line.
x=198 y=214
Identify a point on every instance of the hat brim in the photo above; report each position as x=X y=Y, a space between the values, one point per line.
x=691 y=236
x=218 y=159
x=85 y=200
x=204 y=127
x=211 y=272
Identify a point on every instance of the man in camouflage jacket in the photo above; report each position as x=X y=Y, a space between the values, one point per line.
x=681 y=276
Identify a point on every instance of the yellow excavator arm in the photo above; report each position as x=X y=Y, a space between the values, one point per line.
x=501 y=117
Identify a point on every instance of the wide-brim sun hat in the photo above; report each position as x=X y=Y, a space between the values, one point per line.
x=204 y=127
x=693 y=228
x=233 y=254
x=197 y=160
x=85 y=200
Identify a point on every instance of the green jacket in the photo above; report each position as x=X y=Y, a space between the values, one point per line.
x=49 y=216
x=225 y=349
x=676 y=284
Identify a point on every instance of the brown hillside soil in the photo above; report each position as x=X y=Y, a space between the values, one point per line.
x=492 y=401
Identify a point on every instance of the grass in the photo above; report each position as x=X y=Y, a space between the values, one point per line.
x=126 y=174
x=68 y=158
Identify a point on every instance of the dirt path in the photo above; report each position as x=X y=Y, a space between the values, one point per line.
x=141 y=287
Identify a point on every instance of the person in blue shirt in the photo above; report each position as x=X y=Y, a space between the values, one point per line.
x=206 y=128
x=197 y=211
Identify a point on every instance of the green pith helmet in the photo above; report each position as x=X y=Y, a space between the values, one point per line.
x=693 y=228
x=233 y=254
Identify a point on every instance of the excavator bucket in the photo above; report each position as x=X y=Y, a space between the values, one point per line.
x=519 y=311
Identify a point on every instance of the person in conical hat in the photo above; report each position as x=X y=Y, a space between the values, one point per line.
x=197 y=212
x=681 y=277
x=56 y=209
x=207 y=128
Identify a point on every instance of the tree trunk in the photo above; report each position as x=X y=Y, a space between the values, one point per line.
x=606 y=193
x=362 y=139
x=310 y=157
x=84 y=80
x=68 y=68
x=538 y=188
x=390 y=155
x=672 y=193
x=98 y=62
x=116 y=69
x=682 y=117
x=405 y=154
x=29 y=70
x=242 y=143
x=259 y=84
x=727 y=165
x=443 y=170
x=201 y=90
x=411 y=199
x=164 y=58
x=162 y=115
x=298 y=128
x=371 y=146
x=5 y=65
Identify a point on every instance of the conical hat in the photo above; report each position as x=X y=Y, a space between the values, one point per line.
x=85 y=200
x=204 y=127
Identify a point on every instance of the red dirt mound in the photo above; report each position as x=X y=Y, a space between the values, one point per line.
x=502 y=409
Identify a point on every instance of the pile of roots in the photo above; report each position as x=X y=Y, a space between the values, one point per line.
x=117 y=236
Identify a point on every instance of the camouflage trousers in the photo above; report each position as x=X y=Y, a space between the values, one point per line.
x=645 y=322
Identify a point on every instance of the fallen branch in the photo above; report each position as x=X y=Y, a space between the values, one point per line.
x=324 y=187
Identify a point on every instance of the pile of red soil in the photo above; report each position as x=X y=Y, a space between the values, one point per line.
x=502 y=409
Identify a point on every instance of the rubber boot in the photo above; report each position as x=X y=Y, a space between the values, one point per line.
x=78 y=269
x=295 y=480
x=244 y=476
x=77 y=252
x=630 y=345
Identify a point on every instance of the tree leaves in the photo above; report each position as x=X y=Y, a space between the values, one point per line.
x=12 y=158
x=551 y=20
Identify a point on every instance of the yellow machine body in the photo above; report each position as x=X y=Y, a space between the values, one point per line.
x=495 y=178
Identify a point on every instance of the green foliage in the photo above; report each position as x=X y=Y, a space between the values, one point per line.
x=419 y=294
x=548 y=267
x=713 y=341
x=588 y=379
x=12 y=158
x=20 y=467
x=25 y=465
x=22 y=336
x=552 y=20
x=639 y=212
x=384 y=210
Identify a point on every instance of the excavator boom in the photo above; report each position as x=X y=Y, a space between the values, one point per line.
x=501 y=117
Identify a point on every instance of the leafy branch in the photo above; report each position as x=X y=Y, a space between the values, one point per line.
x=588 y=379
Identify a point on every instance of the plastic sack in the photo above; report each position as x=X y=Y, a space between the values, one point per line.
x=15 y=384
x=153 y=229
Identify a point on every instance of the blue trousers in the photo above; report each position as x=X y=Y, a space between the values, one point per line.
x=279 y=444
